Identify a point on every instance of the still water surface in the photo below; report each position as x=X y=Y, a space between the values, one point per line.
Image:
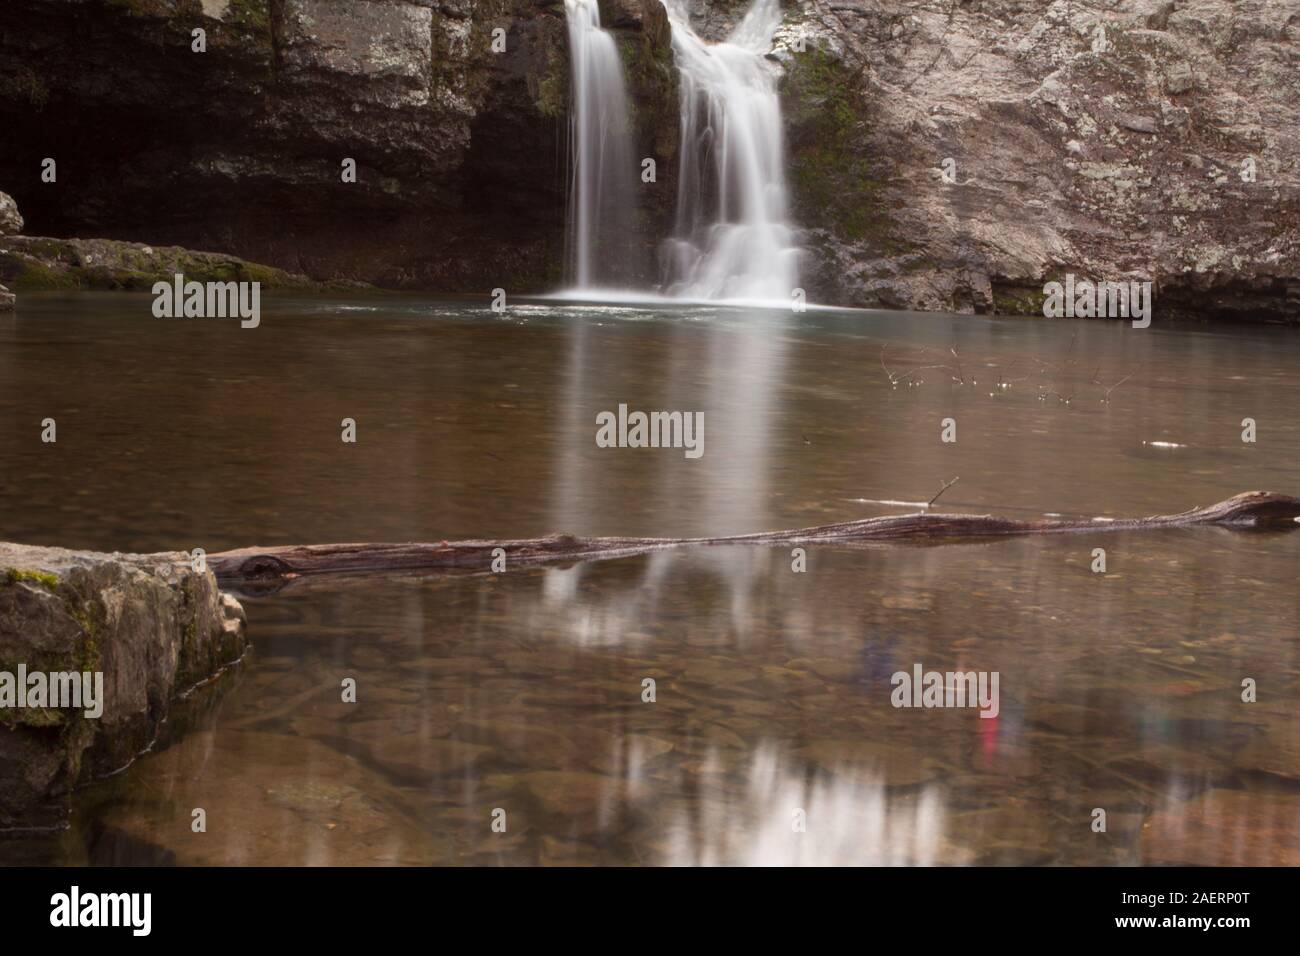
x=523 y=691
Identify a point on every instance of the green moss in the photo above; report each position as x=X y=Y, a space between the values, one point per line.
x=90 y=619
x=43 y=578
x=1018 y=300
x=652 y=80
x=22 y=274
x=552 y=87
x=84 y=657
x=1007 y=304
x=251 y=14
x=51 y=265
x=831 y=167
x=267 y=275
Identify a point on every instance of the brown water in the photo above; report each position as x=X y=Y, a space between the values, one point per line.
x=523 y=691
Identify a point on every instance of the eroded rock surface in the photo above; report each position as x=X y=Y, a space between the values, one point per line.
x=11 y=223
x=1141 y=139
x=1123 y=140
x=149 y=623
x=460 y=150
x=39 y=263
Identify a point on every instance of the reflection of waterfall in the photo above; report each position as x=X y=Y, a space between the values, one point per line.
x=732 y=237
x=734 y=372
x=602 y=201
x=851 y=820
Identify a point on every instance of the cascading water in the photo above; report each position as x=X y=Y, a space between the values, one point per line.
x=602 y=194
x=732 y=238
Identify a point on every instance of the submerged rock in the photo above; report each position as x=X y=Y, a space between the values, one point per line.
x=150 y=624
x=271 y=800
x=7 y=300
x=1225 y=828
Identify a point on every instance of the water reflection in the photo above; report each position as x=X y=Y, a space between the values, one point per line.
x=515 y=692
x=786 y=817
x=523 y=691
x=475 y=425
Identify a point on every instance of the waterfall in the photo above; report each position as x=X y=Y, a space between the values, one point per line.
x=601 y=231
x=732 y=238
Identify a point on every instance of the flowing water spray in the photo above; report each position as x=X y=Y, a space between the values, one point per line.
x=602 y=193
x=732 y=238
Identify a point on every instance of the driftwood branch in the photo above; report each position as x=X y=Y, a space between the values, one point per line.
x=1252 y=509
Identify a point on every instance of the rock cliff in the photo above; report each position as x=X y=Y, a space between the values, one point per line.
x=944 y=154
x=955 y=155
x=459 y=147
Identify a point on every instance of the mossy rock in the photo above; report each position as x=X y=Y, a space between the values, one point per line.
x=42 y=578
x=832 y=175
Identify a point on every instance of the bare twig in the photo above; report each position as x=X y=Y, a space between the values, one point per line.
x=946 y=486
x=1106 y=397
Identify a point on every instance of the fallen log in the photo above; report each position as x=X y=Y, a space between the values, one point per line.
x=1252 y=509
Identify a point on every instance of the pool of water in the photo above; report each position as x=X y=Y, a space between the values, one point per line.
x=771 y=738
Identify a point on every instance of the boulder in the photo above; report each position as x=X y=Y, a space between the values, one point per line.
x=11 y=221
x=150 y=624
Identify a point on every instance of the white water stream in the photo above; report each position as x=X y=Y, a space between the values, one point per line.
x=602 y=193
x=732 y=240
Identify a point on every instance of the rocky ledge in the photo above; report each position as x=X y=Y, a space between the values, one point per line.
x=39 y=263
x=150 y=624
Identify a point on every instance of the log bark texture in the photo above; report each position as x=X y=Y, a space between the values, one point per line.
x=1253 y=509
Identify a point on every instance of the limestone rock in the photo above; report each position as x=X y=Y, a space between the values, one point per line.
x=11 y=222
x=1109 y=140
x=456 y=145
x=1138 y=138
x=153 y=627
x=38 y=263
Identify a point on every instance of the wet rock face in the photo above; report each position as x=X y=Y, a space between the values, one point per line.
x=1114 y=141
x=149 y=623
x=11 y=223
x=459 y=148
x=240 y=149
x=1110 y=140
